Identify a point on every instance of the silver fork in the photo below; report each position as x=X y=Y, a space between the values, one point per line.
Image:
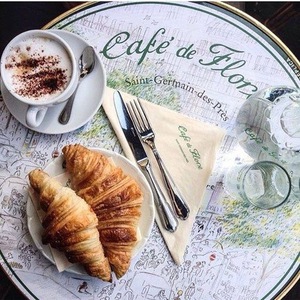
x=147 y=135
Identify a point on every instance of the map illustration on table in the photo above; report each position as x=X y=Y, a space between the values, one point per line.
x=202 y=60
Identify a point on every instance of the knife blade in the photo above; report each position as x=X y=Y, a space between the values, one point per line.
x=164 y=210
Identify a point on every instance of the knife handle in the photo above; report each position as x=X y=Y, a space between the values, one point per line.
x=164 y=210
x=179 y=205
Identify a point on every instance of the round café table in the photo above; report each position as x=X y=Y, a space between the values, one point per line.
x=235 y=251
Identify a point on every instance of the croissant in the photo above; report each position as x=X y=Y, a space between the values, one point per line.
x=70 y=225
x=114 y=196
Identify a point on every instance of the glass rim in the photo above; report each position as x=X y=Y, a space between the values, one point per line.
x=271 y=163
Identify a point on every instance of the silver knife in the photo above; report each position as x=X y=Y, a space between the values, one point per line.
x=164 y=210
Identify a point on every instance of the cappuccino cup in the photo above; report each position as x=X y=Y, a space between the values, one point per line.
x=39 y=69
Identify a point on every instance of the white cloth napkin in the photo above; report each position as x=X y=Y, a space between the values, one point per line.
x=188 y=148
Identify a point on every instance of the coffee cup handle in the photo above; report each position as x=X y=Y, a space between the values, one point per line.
x=35 y=115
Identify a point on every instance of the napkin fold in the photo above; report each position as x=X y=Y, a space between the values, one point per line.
x=188 y=148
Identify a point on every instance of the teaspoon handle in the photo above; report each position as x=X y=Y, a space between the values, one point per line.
x=65 y=114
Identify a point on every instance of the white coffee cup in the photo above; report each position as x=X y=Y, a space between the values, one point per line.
x=39 y=69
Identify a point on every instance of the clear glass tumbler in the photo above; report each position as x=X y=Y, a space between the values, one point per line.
x=265 y=184
x=268 y=125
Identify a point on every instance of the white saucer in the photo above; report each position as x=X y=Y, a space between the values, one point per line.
x=55 y=169
x=88 y=100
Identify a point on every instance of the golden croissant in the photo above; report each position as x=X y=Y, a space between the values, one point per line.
x=114 y=196
x=70 y=225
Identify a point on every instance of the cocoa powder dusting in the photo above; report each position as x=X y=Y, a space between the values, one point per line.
x=39 y=76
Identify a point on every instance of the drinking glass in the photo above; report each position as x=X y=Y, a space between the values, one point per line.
x=265 y=184
x=268 y=124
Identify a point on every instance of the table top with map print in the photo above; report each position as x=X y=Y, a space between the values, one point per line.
x=203 y=60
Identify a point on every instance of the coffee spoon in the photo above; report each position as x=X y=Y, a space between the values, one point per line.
x=86 y=66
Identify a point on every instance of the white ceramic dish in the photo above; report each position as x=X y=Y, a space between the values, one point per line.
x=146 y=221
x=89 y=96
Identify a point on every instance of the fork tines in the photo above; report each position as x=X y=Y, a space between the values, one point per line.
x=138 y=115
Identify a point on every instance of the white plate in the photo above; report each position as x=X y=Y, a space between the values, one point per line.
x=89 y=96
x=146 y=220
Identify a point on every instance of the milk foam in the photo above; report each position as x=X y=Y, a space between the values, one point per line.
x=38 y=68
